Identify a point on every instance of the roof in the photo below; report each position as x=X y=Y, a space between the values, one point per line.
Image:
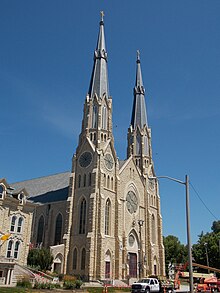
x=53 y=186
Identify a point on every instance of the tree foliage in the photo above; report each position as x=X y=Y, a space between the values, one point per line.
x=207 y=249
x=175 y=252
x=41 y=258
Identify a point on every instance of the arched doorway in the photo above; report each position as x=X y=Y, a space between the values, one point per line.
x=108 y=265
x=58 y=264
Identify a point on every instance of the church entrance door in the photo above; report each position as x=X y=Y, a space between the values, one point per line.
x=107 y=269
x=133 y=265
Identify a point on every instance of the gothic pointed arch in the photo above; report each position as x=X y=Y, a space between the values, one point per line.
x=83 y=258
x=108 y=217
x=40 y=230
x=75 y=256
x=82 y=216
x=58 y=229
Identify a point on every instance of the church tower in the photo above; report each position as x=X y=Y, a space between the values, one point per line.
x=92 y=192
x=139 y=148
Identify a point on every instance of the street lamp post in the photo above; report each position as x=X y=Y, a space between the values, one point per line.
x=140 y=223
x=186 y=183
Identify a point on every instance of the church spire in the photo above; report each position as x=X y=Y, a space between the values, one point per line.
x=99 y=79
x=139 y=113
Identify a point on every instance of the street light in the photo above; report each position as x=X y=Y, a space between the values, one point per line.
x=186 y=183
x=140 y=223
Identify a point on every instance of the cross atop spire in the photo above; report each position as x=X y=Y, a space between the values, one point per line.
x=99 y=78
x=102 y=15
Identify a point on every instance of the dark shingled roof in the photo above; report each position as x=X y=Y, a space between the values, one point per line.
x=46 y=189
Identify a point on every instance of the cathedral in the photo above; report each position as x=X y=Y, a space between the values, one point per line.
x=102 y=220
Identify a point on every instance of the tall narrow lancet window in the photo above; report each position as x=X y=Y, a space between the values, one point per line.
x=104 y=117
x=145 y=145
x=79 y=181
x=95 y=116
x=138 y=145
x=58 y=229
x=153 y=229
x=74 y=259
x=107 y=217
x=83 y=259
x=40 y=230
x=82 y=217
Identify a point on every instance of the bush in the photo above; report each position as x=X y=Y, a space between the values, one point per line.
x=24 y=283
x=48 y=286
x=70 y=282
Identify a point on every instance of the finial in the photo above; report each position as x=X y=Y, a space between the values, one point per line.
x=102 y=15
x=138 y=56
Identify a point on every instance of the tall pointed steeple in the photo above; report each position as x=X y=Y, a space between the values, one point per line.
x=99 y=78
x=139 y=113
x=139 y=136
x=97 y=118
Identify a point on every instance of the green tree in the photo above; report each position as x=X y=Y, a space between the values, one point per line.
x=41 y=258
x=207 y=249
x=216 y=226
x=175 y=252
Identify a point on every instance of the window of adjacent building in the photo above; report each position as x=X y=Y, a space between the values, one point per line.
x=9 y=249
x=58 y=229
x=40 y=230
x=1 y=191
x=82 y=218
x=94 y=116
x=74 y=259
x=83 y=259
x=20 y=222
x=16 y=249
x=107 y=217
x=13 y=223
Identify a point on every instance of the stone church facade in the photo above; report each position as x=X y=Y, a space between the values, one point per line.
x=103 y=219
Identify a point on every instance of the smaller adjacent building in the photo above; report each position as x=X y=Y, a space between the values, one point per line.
x=16 y=214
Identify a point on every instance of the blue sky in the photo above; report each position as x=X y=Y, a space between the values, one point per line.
x=46 y=59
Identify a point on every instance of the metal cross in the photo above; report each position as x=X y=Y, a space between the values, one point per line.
x=102 y=15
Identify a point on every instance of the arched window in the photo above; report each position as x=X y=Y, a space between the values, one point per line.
x=40 y=230
x=79 y=181
x=107 y=217
x=104 y=117
x=83 y=259
x=84 y=180
x=9 y=249
x=153 y=229
x=138 y=145
x=20 y=222
x=112 y=184
x=104 y=177
x=58 y=229
x=94 y=116
x=82 y=218
x=16 y=249
x=74 y=259
x=13 y=222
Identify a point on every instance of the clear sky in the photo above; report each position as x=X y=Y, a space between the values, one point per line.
x=46 y=58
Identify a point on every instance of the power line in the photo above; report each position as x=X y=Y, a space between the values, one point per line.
x=202 y=201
